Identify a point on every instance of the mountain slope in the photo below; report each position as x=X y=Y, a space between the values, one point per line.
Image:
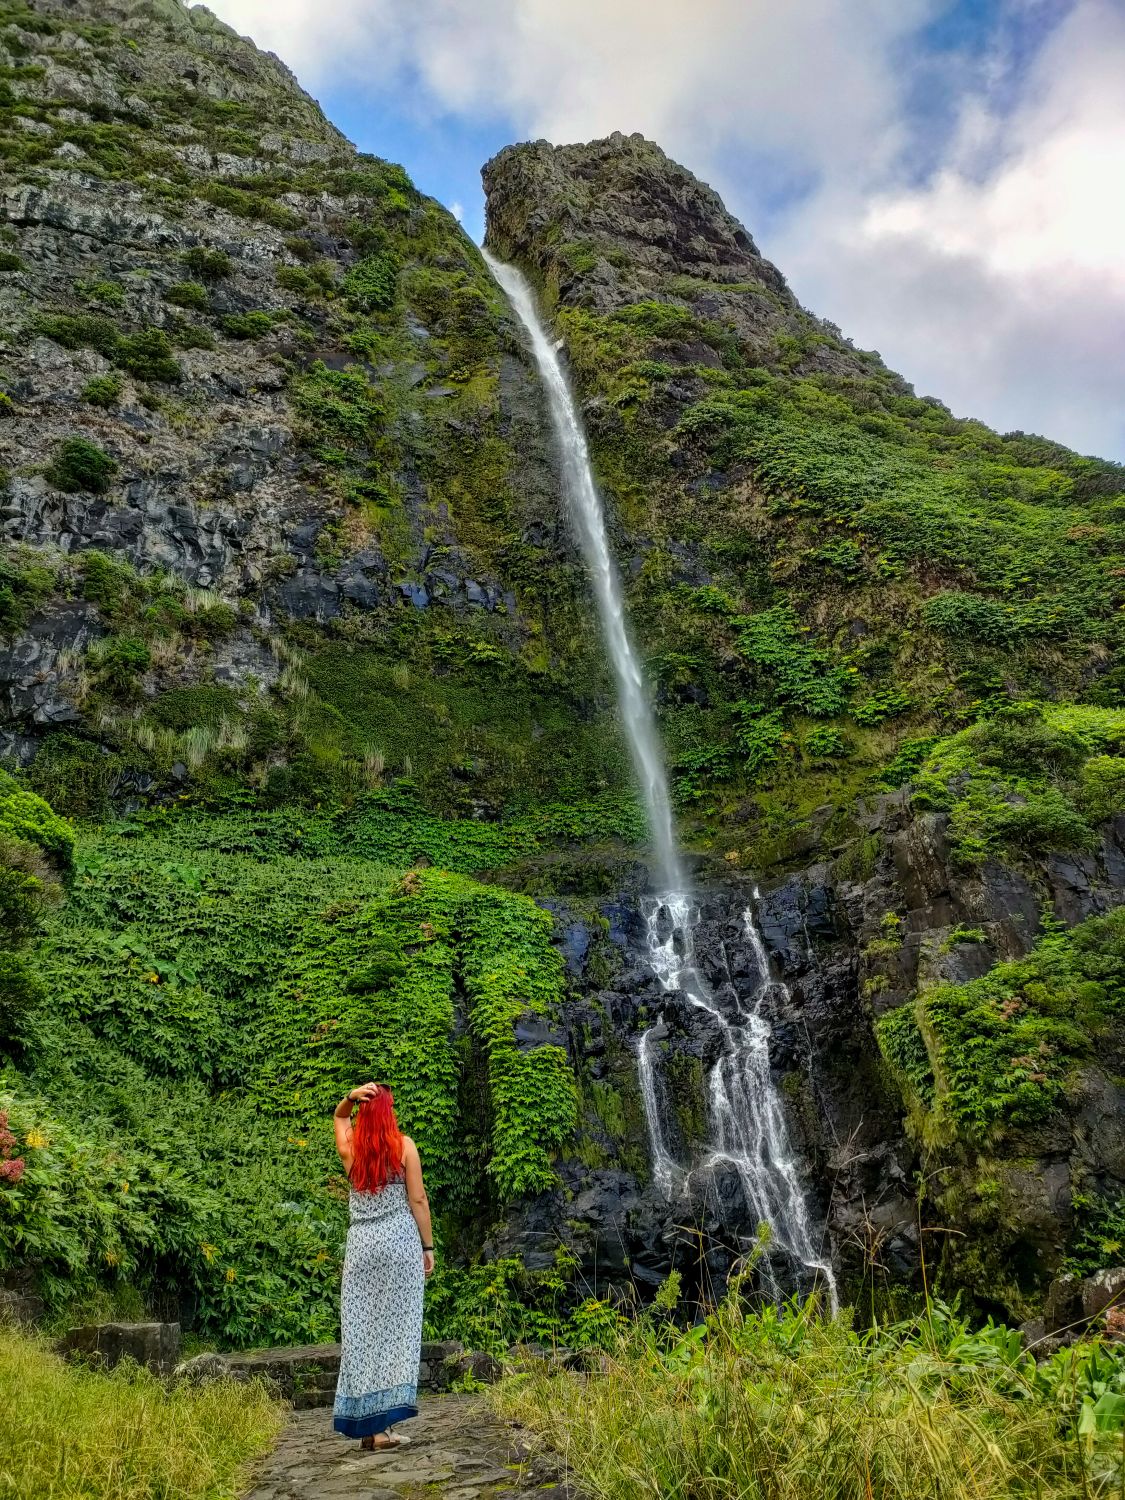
x=825 y=569
x=274 y=378
x=295 y=631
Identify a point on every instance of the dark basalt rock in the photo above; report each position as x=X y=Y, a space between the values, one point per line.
x=156 y=1346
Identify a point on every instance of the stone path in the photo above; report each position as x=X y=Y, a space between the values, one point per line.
x=459 y=1450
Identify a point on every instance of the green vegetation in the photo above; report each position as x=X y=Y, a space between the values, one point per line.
x=24 y=583
x=870 y=560
x=78 y=1434
x=147 y=354
x=36 y=848
x=1027 y=780
x=81 y=465
x=188 y=294
x=371 y=284
x=254 y=987
x=993 y=1072
x=249 y=325
x=102 y=390
x=784 y=1404
x=1002 y=1052
x=208 y=265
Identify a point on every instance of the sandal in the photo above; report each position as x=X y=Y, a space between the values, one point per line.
x=370 y=1445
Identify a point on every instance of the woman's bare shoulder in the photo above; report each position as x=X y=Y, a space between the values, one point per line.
x=408 y=1145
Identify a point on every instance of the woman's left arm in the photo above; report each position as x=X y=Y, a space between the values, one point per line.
x=342 y=1120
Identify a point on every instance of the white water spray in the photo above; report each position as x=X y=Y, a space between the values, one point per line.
x=589 y=521
x=748 y=1131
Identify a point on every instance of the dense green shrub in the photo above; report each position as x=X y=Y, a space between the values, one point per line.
x=799 y=674
x=188 y=294
x=371 y=285
x=118 y=663
x=79 y=331
x=248 y=205
x=338 y=406
x=309 y=281
x=80 y=465
x=148 y=356
x=36 y=849
x=248 y=325
x=208 y=265
x=102 y=390
x=108 y=293
x=24 y=583
x=1016 y=782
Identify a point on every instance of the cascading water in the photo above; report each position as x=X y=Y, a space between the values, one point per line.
x=589 y=520
x=748 y=1132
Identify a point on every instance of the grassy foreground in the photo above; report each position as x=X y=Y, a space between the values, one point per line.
x=68 y=1432
x=787 y=1406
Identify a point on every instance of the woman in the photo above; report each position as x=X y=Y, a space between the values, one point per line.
x=390 y=1253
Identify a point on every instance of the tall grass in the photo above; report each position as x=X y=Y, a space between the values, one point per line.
x=791 y=1406
x=67 y=1432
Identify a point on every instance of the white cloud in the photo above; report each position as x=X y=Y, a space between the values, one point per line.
x=998 y=283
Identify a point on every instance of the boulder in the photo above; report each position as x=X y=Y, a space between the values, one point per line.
x=1063 y=1307
x=204 y=1368
x=21 y=1308
x=1105 y=1289
x=156 y=1346
x=484 y=1369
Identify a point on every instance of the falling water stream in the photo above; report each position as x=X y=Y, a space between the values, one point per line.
x=748 y=1133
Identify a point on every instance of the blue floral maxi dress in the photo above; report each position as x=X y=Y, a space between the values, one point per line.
x=380 y=1314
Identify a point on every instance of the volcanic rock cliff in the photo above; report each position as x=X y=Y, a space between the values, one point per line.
x=295 y=627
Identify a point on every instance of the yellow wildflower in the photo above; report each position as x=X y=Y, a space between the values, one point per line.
x=36 y=1140
x=208 y=1251
x=232 y=1274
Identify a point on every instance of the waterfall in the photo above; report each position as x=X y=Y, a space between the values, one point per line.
x=747 y=1124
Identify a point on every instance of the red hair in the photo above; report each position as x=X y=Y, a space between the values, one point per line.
x=376 y=1144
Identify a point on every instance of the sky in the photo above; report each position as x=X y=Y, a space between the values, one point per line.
x=944 y=179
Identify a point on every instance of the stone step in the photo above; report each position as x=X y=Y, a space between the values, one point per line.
x=306 y=1374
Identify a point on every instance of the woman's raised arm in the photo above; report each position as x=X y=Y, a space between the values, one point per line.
x=342 y=1120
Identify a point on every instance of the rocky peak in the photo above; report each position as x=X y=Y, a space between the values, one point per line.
x=177 y=46
x=623 y=202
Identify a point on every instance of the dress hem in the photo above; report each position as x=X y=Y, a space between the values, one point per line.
x=379 y=1421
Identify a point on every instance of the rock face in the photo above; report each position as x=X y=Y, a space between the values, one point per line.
x=833 y=977
x=311 y=413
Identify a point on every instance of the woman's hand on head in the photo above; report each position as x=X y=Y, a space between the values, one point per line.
x=427 y=1263
x=364 y=1092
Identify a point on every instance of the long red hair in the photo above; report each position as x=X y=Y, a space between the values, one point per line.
x=376 y=1144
